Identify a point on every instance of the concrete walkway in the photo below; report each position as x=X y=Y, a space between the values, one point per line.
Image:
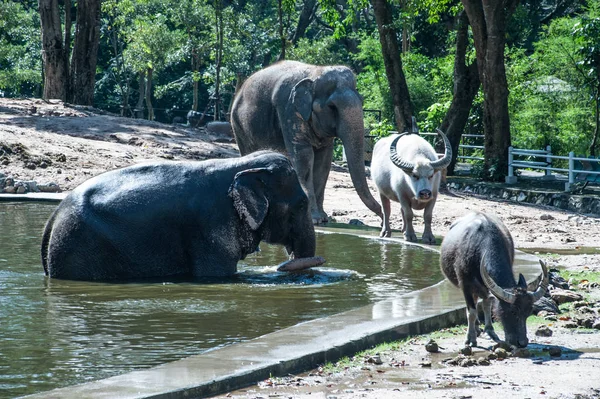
x=291 y=350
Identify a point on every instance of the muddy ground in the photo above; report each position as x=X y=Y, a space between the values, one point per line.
x=52 y=143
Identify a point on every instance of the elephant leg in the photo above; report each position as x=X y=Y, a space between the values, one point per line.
x=302 y=157
x=386 y=231
x=321 y=168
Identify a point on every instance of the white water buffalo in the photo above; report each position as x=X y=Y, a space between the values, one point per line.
x=477 y=256
x=411 y=176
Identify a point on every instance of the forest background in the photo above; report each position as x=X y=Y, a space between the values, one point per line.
x=525 y=74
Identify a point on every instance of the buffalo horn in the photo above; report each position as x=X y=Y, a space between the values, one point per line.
x=543 y=287
x=494 y=288
x=403 y=164
x=445 y=161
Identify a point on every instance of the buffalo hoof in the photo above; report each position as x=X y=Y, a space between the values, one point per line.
x=295 y=265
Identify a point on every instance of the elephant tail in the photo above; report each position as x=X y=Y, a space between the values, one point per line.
x=46 y=242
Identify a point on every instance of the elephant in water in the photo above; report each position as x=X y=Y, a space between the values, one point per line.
x=300 y=109
x=190 y=219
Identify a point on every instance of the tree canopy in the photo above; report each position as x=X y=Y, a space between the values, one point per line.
x=524 y=73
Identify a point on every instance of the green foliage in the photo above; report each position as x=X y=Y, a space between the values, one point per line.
x=20 y=48
x=548 y=102
x=325 y=51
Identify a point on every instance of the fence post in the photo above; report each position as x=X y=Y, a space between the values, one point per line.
x=548 y=175
x=571 y=172
x=511 y=178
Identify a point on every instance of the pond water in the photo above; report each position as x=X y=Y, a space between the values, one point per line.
x=56 y=333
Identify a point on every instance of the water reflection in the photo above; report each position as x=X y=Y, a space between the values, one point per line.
x=55 y=333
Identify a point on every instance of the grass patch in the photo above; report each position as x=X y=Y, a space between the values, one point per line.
x=579 y=276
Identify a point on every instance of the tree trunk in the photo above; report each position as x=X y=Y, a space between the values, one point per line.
x=307 y=15
x=85 y=52
x=53 y=52
x=195 y=83
x=466 y=86
x=68 y=23
x=281 y=35
x=149 y=94
x=139 y=108
x=219 y=21
x=488 y=20
x=594 y=142
x=393 y=64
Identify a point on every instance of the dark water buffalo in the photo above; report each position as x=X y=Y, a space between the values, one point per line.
x=178 y=219
x=409 y=174
x=477 y=255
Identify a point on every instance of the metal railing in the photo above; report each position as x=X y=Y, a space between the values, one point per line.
x=462 y=147
x=546 y=165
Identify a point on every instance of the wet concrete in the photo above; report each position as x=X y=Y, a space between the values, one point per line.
x=293 y=349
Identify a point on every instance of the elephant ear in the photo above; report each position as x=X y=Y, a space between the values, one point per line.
x=302 y=97
x=248 y=192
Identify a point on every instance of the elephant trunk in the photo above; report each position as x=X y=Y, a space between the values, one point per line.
x=351 y=132
x=303 y=242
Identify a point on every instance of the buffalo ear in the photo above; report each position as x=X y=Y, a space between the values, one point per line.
x=522 y=282
x=248 y=192
x=302 y=97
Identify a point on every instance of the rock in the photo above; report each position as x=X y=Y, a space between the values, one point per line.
x=555 y=351
x=9 y=189
x=482 y=361
x=467 y=351
x=561 y=296
x=501 y=353
x=432 y=346
x=546 y=216
x=375 y=359
x=425 y=364
x=32 y=186
x=219 y=128
x=585 y=321
x=522 y=353
x=557 y=280
x=21 y=189
x=467 y=362
x=61 y=158
x=492 y=356
x=596 y=324
x=545 y=304
x=49 y=188
x=543 y=331
x=355 y=222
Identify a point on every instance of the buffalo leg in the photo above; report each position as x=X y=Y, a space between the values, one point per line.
x=409 y=231
x=487 y=313
x=428 y=237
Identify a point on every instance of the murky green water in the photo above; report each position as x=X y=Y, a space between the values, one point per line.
x=55 y=333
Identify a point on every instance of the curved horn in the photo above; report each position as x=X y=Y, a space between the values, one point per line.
x=543 y=287
x=403 y=164
x=494 y=288
x=445 y=161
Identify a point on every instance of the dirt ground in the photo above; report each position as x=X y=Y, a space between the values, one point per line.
x=50 y=142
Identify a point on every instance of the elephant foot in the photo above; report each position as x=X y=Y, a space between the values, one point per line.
x=428 y=238
x=298 y=264
x=319 y=217
x=412 y=237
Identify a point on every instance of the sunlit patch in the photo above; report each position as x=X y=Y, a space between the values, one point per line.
x=269 y=276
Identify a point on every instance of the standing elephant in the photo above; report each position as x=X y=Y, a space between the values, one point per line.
x=300 y=109
x=190 y=219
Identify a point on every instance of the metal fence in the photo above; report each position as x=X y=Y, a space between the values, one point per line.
x=576 y=171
